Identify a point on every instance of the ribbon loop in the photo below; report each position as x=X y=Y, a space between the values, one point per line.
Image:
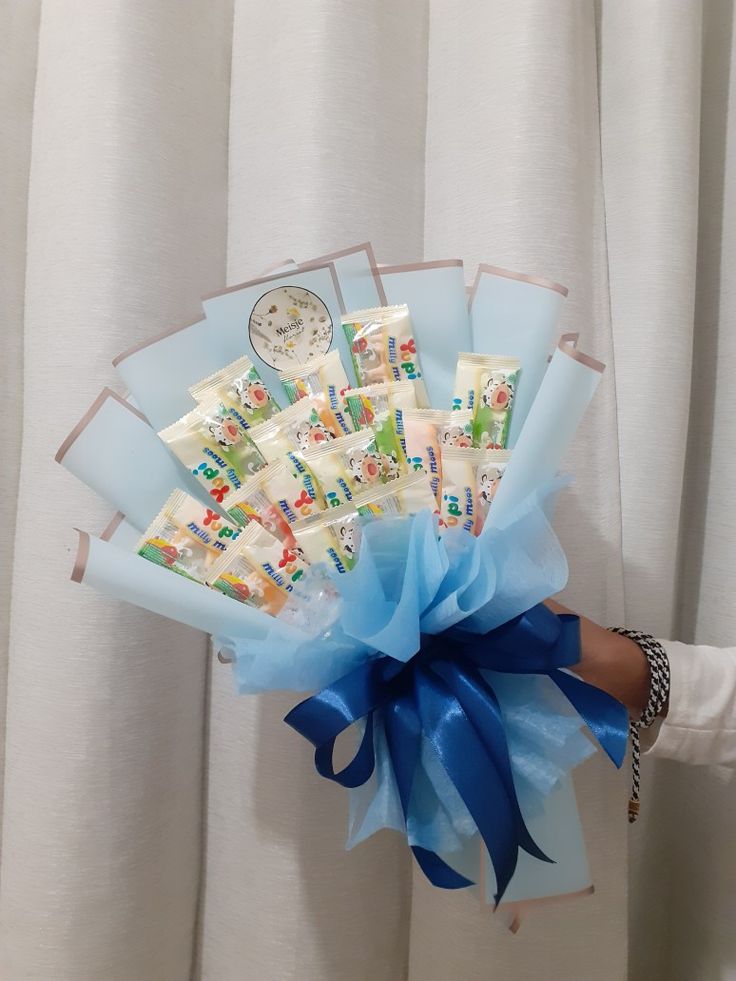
x=479 y=702
x=322 y=718
x=441 y=696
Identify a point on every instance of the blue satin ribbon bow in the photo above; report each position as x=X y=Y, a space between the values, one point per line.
x=442 y=693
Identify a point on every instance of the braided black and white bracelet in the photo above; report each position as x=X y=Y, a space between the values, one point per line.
x=659 y=691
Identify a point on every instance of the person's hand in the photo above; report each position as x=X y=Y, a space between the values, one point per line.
x=611 y=662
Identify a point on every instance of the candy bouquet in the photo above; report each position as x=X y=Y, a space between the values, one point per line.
x=345 y=474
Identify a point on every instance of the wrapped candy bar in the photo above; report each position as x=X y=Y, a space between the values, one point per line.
x=274 y=498
x=470 y=478
x=240 y=389
x=300 y=426
x=407 y=495
x=239 y=577
x=371 y=403
x=274 y=577
x=492 y=414
x=187 y=537
x=215 y=448
x=486 y=384
x=382 y=408
x=350 y=464
x=260 y=572
x=383 y=347
x=455 y=428
x=286 y=436
x=282 y=564
x=332 y=537
x=429 y=431
x=322 y=379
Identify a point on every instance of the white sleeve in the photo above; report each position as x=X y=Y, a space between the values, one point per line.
x=700 y=726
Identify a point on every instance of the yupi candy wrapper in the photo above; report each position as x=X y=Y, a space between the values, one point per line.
x=383 y=347
x=403 y=585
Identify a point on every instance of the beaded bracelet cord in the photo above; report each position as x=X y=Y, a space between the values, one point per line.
x=659 y=691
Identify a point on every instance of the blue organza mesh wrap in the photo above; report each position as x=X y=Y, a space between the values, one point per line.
x=410 y=581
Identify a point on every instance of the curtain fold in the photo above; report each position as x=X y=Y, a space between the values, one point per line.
x=514 y=179
x=126 y=216
x=650 y=152
x=157 y=827
x=18 y=51
x=685 y=863
x=326 y=149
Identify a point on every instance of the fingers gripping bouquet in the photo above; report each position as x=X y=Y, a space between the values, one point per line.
x=357 y=505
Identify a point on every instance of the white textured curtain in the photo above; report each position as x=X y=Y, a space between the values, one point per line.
x=155 y=826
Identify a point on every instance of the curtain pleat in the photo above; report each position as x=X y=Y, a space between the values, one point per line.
x=126 y=218
x=650 y=149
x=18 y=51
x=681 y=920
x=326 y=149
x=514 y=179
x=650 y=152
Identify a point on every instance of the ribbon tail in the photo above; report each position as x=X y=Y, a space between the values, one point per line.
x=479 y=701
x=605 y=716
x=404 y=736
x=438 y=871
x=473 y=772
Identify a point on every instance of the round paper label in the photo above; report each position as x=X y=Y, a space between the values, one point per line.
x=288 y=326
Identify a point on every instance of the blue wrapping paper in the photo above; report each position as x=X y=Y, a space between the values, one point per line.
x=435 y=295
x=565 y=393
x=114 y=451
x=160 y=372
x=357 y=273
x=408 y=585
x=514 y=314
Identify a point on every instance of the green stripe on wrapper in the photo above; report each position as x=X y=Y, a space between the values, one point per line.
x=495 y=404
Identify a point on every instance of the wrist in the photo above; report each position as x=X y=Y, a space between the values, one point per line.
x=617 y=665
x=612 y=662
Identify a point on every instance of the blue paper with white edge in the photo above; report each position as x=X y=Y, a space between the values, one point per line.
x=307 y=296
x=435 y=295
x=408 y=584
x=513 y=316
